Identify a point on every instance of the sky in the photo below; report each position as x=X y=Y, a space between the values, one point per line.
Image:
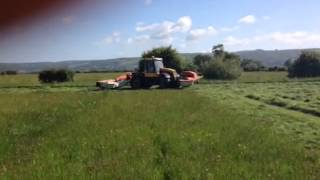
x=103 y=29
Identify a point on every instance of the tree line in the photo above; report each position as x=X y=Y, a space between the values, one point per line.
x=220 y=64
x=9 y=72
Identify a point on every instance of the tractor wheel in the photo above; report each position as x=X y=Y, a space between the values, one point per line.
x=163 y=82
x=147 y=86
x=135 y=83
x=176 y=84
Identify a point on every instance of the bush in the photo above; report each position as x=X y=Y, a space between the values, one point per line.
x=201 y=61
x=219 y=65
x=250 y=65
x=307 y=65
x=190 y=67
x=50 y=76
x=9 y=72
x=223 y=65
x=277 y=69
x=227 y=69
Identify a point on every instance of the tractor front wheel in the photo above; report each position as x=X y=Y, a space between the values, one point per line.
x=135 y=83
x=163 y=82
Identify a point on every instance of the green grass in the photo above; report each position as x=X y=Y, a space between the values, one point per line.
x=299 y=96
x=264 y=77
x=81 y=79
x=209 y=131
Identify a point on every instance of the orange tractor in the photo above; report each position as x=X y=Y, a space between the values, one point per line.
x=151 y=72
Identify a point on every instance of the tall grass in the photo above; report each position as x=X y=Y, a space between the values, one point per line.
x=140 y=135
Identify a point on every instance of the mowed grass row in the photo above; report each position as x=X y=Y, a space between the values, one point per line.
x=298 y=96
x=154 y=134
x=297 y=106
x=29 y=80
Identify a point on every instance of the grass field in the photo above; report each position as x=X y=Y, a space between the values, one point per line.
x=82 y=79
x=215 y=130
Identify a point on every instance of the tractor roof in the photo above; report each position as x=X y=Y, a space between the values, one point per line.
x=153 y=59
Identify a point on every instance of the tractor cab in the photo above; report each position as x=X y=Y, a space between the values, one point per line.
x=151 y=65
x=152 y=72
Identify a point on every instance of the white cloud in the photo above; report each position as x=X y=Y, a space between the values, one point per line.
x=197 y=34
x=144 y=39
x=232 y=41
x=298 y=38
x=184 y=24
x=113 y=38
x=250 y=19
x=139 y=39
x=68 y=19
x=148 y=2
x=141 y=27
x=166 y=28
x=279 y=40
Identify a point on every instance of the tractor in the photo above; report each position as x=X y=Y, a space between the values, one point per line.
x=151 y=72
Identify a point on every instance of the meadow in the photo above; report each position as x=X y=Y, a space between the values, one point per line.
x=213 y=130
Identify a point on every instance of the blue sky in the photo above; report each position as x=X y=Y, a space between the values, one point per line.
x=127 y=28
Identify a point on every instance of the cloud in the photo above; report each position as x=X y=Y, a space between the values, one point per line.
x=139 y=39
x=279 y=40
x=68 y=19
x=232 y=41
x=197 y=34
x=184 y=24
x=113 y=38
x=162 y=32
x=166 y=28
x=144 y=39
x=250 y=19
x=148 y=2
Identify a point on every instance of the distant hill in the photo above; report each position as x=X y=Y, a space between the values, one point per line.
x=268 y=58
x=87 y=65
x=272 y=58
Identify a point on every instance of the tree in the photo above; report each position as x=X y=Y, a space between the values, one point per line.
x=251 y=65
x=307 y=65
x=218 y=50
x=201 y=61
x=171 y=58
x=189 y=66
x=223 y=65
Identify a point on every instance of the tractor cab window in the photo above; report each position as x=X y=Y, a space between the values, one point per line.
x=150 y=67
